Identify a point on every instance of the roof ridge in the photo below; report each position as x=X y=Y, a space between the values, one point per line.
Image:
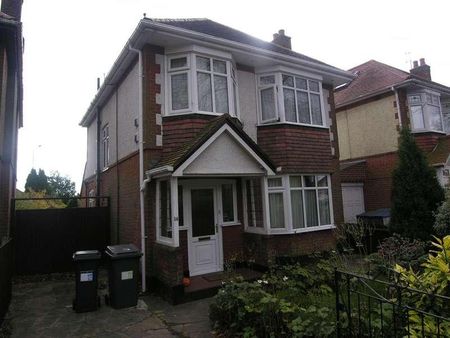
x=178 y=19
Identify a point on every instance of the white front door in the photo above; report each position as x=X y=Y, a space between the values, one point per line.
x=204 y=240
x=353 y=201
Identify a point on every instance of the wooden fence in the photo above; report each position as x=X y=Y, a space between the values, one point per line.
x=45 y=239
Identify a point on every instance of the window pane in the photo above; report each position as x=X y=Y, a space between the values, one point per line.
x=303 y=107
x=203 y=63
x=324 y=207
x=276 y=209
x=202 y=209
x=288 y=81
x=204 y=92
x=164 y=210
x=322 y=181
x=300 y=83
x=180 y=206
x=414 y=99
x=254 y=203
x=227 y=203
x=275 y=182
x=435 y=118
x=268 y=104
x=178 y=63
x=266 y=80
x=316 y=110
x=417 y=117
x=179 y=91
x=428 y=96
x=289 y=105
x=295 y=181
x=310 y=181
x=221 y=94
x=311 y=208
x=435 y=100
x=219 y=66
x=313 y=86
x=235 y=99
x=297 y=209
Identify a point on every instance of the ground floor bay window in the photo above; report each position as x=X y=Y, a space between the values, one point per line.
x=288 y=203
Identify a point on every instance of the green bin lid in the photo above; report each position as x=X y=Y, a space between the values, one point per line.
x=86 y=255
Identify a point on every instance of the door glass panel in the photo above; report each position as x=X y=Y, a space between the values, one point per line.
x=202 y=201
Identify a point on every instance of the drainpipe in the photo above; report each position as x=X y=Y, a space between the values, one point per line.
x=397 y=101
x=97 y=176
x=142 y=182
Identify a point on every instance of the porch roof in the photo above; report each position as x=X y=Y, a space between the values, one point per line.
x=177 y=157
x=441 y=153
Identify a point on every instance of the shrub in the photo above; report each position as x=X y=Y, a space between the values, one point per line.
x=288 y=301
x=442 y=215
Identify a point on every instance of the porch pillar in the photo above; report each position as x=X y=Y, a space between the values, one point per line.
x=174 y=211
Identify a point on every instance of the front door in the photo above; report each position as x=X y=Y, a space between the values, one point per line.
x=204 y=236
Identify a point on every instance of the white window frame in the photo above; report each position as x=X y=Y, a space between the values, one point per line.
x=105 y=146
x=235 y=220
x=286 y=190
x=426 y=114
x=174 y=241
x=191 y=70
x=279 y=98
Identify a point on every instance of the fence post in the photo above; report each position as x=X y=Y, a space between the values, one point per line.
x=336 y=284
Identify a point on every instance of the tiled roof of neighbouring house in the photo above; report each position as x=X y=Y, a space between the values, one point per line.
x=441 y=152
x=371 y=77
x=209 y=27
x=178 y=156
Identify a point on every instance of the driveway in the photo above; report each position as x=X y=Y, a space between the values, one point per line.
x=44 y=309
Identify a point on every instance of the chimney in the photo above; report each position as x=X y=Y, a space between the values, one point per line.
x=12 y=8
x=282 y=40
x=421 y=69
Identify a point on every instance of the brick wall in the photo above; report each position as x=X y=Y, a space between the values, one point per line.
x=427 y=141
x=265 y=248
x=355 y=173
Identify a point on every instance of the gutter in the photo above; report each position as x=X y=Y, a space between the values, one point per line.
x=142 y=182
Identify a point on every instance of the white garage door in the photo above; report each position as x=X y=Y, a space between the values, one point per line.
x=353 y=201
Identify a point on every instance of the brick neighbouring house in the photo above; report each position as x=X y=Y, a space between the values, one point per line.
x=370 y=111
x=10 y=106
x=211 y=143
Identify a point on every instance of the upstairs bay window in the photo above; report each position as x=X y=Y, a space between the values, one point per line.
x=289 y=98
x=201 y=84
x=425 y=112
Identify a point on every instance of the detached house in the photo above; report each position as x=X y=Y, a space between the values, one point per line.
x=213 y=145
x=370 y=111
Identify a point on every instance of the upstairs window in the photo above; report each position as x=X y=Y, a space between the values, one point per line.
x=299 y=99
x=203 y=84
x=425 y=112
x=105 y=146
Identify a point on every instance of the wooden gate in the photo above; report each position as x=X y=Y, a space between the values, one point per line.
x=45 y=239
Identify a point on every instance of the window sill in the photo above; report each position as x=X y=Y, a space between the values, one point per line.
x=292 y=124
x=190 y=112
x=230 y=224
x=290 y=232
x=425 y=131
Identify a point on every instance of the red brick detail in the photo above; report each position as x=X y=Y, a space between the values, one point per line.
x=177 y=131
x=263 y=249
x=297 y=148
x=427 y=141
x=233 y=243
x=355 y=173
x=378 y=187
x=167 y=264
x=403 y=103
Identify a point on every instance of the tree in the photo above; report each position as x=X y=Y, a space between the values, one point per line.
x=61 y=186
x=416 y=192
x=37 y=182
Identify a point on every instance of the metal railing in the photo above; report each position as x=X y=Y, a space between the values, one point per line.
x=367 y=307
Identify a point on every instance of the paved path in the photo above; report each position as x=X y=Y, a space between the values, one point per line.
x=44 y=309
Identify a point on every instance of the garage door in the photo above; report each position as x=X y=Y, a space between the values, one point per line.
x=353 y=201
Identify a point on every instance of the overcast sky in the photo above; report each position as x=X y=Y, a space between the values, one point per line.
x=69 y=43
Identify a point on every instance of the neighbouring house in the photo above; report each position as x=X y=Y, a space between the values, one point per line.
x=11 y=49
x=370 y=111
x=214 y=146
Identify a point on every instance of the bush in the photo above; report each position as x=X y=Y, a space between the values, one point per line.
x=442 y=215
x=288 y=301
x=398 y=250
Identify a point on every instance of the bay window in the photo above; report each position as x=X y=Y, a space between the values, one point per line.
x=294 y=203
x=425 y=111
x=289 y=98
x=201 y=84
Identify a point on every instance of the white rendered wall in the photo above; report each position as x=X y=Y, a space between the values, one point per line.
x=247 y=102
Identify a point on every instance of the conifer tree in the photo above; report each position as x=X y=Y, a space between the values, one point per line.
x=416 y=192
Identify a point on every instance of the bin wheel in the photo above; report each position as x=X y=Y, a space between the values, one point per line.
x=107 y=299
